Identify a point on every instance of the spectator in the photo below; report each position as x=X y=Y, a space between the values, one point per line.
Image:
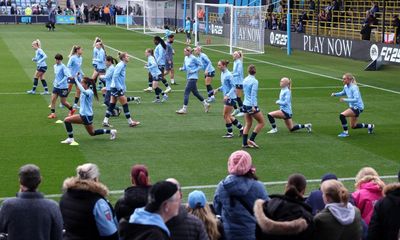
x=198 y=206
x=311 y=6
x=287 y=210
x=2 y=3
x=107 y=16
x=280 y=8
x=315 y=199
x=396 y=25
x=86 y=212
x=135 y=196
x=366 y=31
x=235 y=196
x=385 y=221
x=148 y=223
x=375 y=8
x=30 y=215
x=112 y=14
x=28 y=11
x=49 y=5
x=200 y=14
x=368 y=191
x=339 y=220
x=86 y=13
x=185 y=226
x=52 y=20
x=59 y=10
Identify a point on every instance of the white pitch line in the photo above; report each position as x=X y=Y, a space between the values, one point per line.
x=115 y=192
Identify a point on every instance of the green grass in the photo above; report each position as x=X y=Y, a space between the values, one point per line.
x=190 y=147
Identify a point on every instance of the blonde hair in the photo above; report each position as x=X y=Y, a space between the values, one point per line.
x=88 y=171
x=74 y=49
x=365 y=171
x=121 y=55
x=37 y=43
x=96 y=40
x=336 y=191
x=240 y=54
x=209 y=220
x=368 y=174
x=351 y=76
x=289 y=82
x=189 y=49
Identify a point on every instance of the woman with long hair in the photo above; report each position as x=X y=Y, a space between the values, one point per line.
x=356 y=106
x=118 y=89
x=285 y=109
x=75 y=67
x=191 y=66
x=228 y=89
x=85 y=116
x=41 y=68
x=98 y=60
x=156 y=76
x=238 y=76
x=209 y=72
x=251 y=110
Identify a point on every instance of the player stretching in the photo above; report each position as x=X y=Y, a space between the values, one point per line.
x=251 y=110
x=74 y=65
x=156 y=75
x=356 y=106
x=118 y=88
x=85 y=116
x=99 y=60
x=285 y=112
x=228 y=89
x=41 y=68
x=209 y=72
x=237 y=73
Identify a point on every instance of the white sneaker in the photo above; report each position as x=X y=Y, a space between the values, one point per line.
x=61 y=105
x=181 y=111
x=30 y=92
x=308 y=127
x=149 y=89
x=113 y=134
x=240 y=114
x=75 y=106
x=168 y=89
x=68 y=141
x=236 y=111
x=137 y=100
x=211 y=99
x=45 y=93
x=274 y=130
x=157 y=100
x=164 y=98
x=206 y=107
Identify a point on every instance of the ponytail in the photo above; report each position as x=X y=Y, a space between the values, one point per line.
x=151 y=51
x=161 y=41
x=37 y=43
x=121 y=55
x=90 y=82
x=296 y=185
x=224 y=62
x=140 y=175
x=111 y=59
x=290 y=84
x=74 y=49
x=351 y=76
x=96 y=40
x=336 y=191
x=142 y=179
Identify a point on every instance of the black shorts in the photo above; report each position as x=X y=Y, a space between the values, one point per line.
x=287 y=115
x=162 y=68
x=87 y=120
x=107 y=97
x=117 y=92
x=169 y=66
x=239 y=86
x=356 y=111
x=157 y=79
x=41 y=69
x=61 y=92
x=188 y=35
x=249 y=109
x=98 y=70
x=230 y=102
x=210 y=74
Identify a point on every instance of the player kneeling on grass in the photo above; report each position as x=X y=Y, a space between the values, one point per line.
x=228 y=89
x=285 y=112
x=118 y=88
x=156 y=75
x=251 y=110
x=60 y=86
x=356 y=106
x=85 y=116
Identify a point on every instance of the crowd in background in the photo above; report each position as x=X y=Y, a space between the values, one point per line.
x=241 y=208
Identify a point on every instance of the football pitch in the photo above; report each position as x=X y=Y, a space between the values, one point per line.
x=190 y=147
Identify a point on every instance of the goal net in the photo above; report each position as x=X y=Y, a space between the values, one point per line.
x=234 y=27
x=146 y=15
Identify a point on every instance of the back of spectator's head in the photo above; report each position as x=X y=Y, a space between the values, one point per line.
x=368 y=174
x=160 y=195
x=197 y=199
x=365 y=171
x=88 y=171
x=328 y=176
x=334 y=192
x=240 y=163
x=29 y=177
x=140 y=175
x=296 y=186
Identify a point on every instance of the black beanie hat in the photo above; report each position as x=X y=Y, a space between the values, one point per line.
x=160 y=192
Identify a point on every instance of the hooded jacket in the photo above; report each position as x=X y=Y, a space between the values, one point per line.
x=385 y=222
x=134 y=197
x=186 y=226
x=281 y=208
x=239 y=223
x=365 y=198
x=338 y=222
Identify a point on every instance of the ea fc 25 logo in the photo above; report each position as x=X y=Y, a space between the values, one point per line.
x=278 y=39
x=388 y=54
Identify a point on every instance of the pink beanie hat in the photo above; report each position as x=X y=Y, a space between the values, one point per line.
x=239 y=163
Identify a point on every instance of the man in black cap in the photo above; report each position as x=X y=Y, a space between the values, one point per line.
x=315 y=198
x=148 y=223
x=30 y=215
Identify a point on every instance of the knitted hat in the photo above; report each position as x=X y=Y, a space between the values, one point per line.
x=197 y=199
x=159 y=193
x=239 y=163
x=328 y=176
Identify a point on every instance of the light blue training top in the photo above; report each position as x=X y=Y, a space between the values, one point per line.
x=40 y=58
x=228 y=87
x=237 y=72
x=99 y=58
x=206 y=62
x=86 y=99
x=74 y=65
x=353 y=96
x=61 y=75
x=191 y=65
x=105 y=222
x=187 y=25
x=250 y=90
x=108 y=76
x=285 y=100
x=118 y=78
x=152 y=67
x=159 y=54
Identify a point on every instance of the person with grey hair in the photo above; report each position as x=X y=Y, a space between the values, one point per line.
x=86 y=212
x=30 y=215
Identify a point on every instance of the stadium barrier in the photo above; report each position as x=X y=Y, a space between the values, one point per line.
x=17 y=19
x=339 y=47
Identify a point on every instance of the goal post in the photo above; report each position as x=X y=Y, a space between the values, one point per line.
x=145 y=15
x=234 y=27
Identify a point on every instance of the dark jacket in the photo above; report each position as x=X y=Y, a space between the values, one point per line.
x=77 y=204
x=133 y=231
x=315 y=201
x=31 y=216
x=134 y=197
x=385 y=222
x=186 y=226
x=283 y=208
